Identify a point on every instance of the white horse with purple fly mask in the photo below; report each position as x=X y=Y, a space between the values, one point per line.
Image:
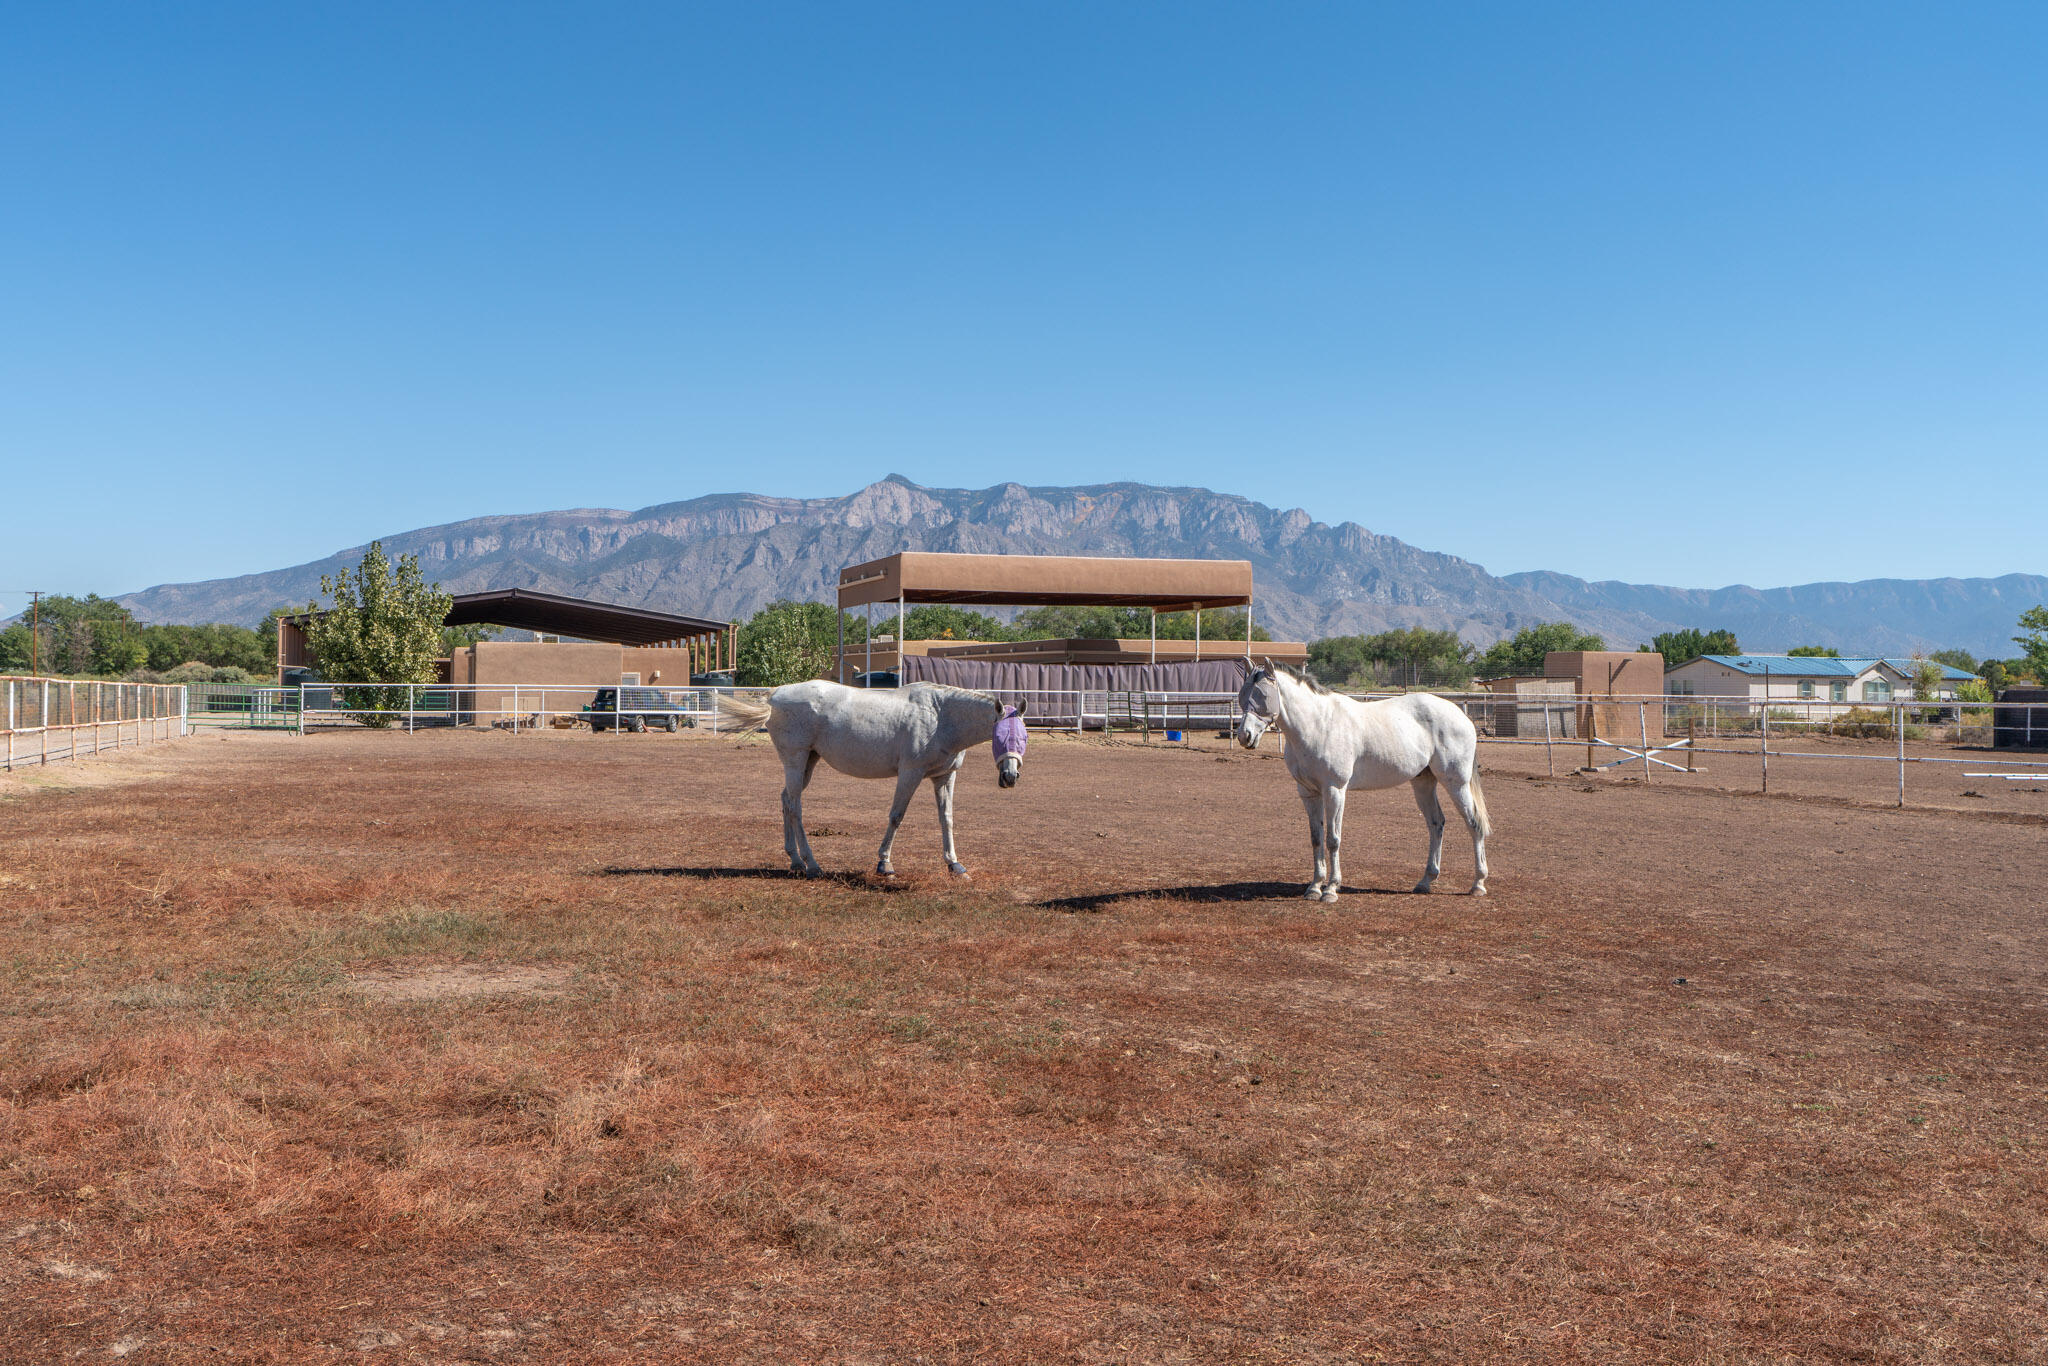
x=1337 y=743
x=916 y=734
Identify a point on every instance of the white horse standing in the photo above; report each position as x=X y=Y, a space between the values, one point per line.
x=1337 y=743
x=915 y=734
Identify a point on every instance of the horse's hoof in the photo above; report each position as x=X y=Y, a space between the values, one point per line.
x=1314 y=892
x=1479 y=889
x=1421 y=888
x=884 y=870
x=1329 y=896
x=959 y=870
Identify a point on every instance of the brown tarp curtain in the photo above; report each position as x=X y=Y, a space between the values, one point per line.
x=1051 y=688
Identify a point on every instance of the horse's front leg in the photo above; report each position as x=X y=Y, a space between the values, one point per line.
x=1333 y=840
x=942 y=792
x=906 y=784
x=1312 y=802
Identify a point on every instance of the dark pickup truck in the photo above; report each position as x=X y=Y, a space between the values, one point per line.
x=636 y=709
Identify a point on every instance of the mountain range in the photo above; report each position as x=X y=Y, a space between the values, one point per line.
x=727 y=555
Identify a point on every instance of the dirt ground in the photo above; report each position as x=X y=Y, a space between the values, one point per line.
x=480 y=1047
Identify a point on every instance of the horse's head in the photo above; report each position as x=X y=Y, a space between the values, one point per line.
x=1009 y=743
x=1258 y=703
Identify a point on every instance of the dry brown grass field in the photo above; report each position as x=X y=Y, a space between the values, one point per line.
x=479 y=1047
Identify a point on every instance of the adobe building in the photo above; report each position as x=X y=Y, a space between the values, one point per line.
x=1633 y=678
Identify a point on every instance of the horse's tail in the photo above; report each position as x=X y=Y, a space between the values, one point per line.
x=1479 y=805
x=744 y=715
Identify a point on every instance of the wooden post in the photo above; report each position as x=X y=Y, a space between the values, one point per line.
x=1692 y=739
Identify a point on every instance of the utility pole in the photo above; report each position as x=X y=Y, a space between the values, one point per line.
x=35 y=630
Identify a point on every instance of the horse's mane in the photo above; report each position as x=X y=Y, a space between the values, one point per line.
x=957 y=691
x=1307 y=680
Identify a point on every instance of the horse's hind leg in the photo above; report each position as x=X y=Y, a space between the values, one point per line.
x=1312 y=802
x=1424 y=784
x=906 y=785
x=796 y=776
x=1465 y=796
x=942 y=790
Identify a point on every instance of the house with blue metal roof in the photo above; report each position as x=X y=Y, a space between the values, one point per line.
x=1822 y=682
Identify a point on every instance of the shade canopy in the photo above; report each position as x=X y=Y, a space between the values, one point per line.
x=924 y=576
x=524 y=609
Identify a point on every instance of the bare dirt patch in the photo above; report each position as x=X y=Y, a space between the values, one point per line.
x=457 y=981
x=1708 y=1078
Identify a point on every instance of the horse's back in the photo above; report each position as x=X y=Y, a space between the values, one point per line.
x=862 y=732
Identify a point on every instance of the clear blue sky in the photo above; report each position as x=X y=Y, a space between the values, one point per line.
x=1690 y=294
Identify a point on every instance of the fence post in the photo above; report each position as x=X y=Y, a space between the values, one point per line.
x=1643 y=734
x=1766 y=746
x=1548 y=753
x=1899 y=724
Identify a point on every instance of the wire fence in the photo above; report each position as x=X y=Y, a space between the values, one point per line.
x=50 y=719
x=1645 y=734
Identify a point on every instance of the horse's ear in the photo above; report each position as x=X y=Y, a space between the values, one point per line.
x=1272 y=669
x=1244 y=666
x=1023 y=705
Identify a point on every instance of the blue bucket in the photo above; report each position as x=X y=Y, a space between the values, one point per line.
x=1173 y=736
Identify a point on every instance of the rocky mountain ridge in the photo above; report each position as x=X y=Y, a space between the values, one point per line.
x=727 y=555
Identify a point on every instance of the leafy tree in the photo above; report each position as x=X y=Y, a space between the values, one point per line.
x=88 y=635
x=14 y=650
x=1436 y=657
x=1814 y=652
x=1994 y=672
x=1682 y=647
x=1523 y=652
x=215 y=644
x=2034 y=641
x=455 y=638
x=938 y=621
x=1956 y=659
x=788 y=642
x=1926 y=678
x=1130 y=623
x=384 y=627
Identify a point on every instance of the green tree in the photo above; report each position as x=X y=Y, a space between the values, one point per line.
x=1956 y=659
x=89 y=635
x=939 y=621
x=1130 y=623
x=1994 y=672
x=1926 y=678
x=1814 y=652
x=384 y=627
x=1411 y=656
x=2034 y=641
x=1523 y=653
x=1682 y=647
x=788 y=642
x=14 y=649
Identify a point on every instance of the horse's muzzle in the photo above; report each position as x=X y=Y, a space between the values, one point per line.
x=1007 y=773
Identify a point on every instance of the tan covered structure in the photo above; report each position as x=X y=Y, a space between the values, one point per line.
x=884 y=656
x=914 y=577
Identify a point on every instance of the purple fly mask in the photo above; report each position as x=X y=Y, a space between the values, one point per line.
x=1009 y=747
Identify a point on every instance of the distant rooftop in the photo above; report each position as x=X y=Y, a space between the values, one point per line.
x=1817 y=666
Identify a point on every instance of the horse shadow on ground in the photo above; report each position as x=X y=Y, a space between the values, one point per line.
x=1207 y=893
x=863 y=881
